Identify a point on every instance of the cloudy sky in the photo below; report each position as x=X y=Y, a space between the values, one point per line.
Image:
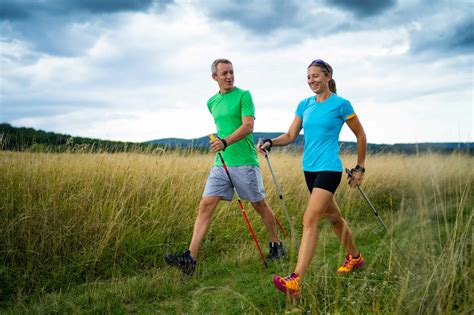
x=136 y=70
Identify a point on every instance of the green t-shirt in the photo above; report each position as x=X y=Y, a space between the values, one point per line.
x=228 y=110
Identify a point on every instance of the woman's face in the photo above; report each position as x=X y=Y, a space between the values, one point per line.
x=318 y=81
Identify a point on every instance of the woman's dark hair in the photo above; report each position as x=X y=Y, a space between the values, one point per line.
x=326 y=69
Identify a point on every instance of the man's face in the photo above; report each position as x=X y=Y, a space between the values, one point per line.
x=224 y=77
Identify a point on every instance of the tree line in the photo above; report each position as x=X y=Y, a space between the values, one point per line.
x=32 y=140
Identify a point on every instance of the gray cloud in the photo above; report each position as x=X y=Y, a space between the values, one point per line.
x=463 y=35
x=23 y=9
x=363 y=8
x=12 y=10
x=109 y=6
x=59 y=36
x=299 y=19
x=68 y=28
x=444 y=36
x=312 y=16
x=438 y=27
x=257 y=16
x=65 y=28
x=434 y=29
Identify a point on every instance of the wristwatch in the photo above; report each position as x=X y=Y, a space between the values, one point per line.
x=223 y=142
x=359 y=168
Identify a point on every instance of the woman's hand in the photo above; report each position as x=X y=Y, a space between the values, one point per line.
x=355 y=179
x=264 y=146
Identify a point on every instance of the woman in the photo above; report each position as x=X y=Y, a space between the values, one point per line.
x=322 y=117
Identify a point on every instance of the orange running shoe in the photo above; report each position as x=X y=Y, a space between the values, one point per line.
x=289 y=285
x=351 y=263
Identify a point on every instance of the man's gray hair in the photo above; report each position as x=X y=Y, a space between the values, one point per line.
x=218 y=61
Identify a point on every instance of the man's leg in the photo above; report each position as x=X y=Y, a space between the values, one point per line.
x=268 y=218
x=202 y=223
x=217 y=188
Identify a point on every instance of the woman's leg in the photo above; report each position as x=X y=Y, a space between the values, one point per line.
x=340 y=227
x=318 y=202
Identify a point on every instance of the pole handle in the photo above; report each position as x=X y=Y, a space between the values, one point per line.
x=260 y=140
x=349 y=173
x=259 y=144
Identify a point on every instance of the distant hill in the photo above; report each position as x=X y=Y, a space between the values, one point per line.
x=29 y=139
x=403 y=148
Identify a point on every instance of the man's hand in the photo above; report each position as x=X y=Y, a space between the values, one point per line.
x=217 y=144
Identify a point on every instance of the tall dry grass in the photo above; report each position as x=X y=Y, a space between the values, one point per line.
x=68 y=219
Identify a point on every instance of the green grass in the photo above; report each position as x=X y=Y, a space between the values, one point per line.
x=86 y=233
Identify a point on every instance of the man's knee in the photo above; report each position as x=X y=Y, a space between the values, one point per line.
x=263 y=208
x=261 y=205
x=207 y=205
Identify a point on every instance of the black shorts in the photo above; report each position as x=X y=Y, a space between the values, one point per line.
x=326 y=180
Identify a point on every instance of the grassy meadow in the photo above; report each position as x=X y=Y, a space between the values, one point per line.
x=86 y=233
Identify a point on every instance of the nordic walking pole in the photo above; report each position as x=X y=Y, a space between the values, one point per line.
x=281 y=226
x=280 y=195
x=212 y=137
x=376 y=213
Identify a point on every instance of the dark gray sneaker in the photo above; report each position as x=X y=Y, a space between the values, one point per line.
x=277 y=251
x=183 y=261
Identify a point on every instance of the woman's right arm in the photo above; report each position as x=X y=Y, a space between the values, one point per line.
x=285 y=138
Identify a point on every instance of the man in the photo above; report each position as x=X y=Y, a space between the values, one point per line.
x=233 y=111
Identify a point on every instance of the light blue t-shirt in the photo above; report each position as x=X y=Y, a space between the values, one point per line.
x=322 y=123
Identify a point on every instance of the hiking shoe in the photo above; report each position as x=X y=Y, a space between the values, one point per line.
x=277 y=251
x=289 y=285
x=351 y=263
x=183 y=261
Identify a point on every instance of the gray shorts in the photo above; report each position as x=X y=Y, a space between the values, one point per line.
x=247 y=180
